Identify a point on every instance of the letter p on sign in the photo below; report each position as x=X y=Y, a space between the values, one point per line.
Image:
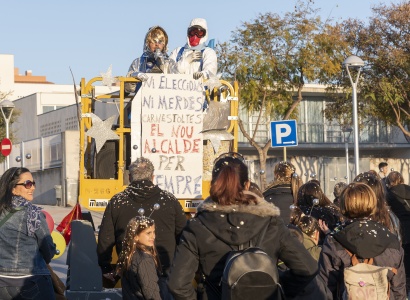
x=284 y=133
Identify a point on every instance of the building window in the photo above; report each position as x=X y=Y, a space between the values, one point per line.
x=47 y=108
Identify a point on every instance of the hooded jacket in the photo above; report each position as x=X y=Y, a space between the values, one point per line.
x=209 y=59
x=366 y=239
x=216 y=230
x=398 y=198
x=169 y=221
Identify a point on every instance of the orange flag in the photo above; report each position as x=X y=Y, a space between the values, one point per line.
x=65 y=226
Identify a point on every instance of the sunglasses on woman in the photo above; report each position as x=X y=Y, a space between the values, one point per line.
x=28 y=184
x=200 y=33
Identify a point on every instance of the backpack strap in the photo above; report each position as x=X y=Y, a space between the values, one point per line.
x=368 y=261
x=4 y=220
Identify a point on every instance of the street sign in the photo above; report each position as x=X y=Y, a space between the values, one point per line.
x=5 y=146
x=284 y=133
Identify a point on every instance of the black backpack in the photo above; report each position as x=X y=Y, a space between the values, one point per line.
x=250 y=273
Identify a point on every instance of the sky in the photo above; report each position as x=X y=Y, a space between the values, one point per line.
x=49 y=37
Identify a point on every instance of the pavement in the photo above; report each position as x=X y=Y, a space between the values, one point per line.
x=58 y=213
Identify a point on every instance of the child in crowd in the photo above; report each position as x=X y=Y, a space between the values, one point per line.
x=138 y=263
x=309 y=227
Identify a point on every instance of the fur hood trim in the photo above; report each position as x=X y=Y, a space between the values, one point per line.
x=262 y=208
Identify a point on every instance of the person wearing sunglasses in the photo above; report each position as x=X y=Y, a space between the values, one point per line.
x=26 y=246
x=195 y=57
x=154 y=58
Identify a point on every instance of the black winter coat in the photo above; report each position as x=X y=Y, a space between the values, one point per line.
x=141 y=280
x=398 y=198
x=205 y=243
x=169 y=220
x=366 y=239
x=281 y=196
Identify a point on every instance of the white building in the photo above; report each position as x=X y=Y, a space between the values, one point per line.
x=45 y=132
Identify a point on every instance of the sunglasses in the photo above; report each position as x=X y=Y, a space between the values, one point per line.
x=28 y=184
x=196 y=31
x=157 y=41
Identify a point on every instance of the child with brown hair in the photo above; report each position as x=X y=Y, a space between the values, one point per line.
x=138 y=263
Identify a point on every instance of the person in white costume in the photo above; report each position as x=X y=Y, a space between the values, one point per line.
x=195 y=57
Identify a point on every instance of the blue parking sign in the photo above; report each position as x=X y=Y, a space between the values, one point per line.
x=284 y=133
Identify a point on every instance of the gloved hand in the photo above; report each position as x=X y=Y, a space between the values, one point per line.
x=198 y=75
x=141 y=76
x=194 y=56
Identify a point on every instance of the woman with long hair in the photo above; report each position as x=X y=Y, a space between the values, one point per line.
x=284 y=188
x=228 y=219
x=26 y=246
x=383 y=213
x=138 y=264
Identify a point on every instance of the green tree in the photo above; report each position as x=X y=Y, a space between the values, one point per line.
x=384 y=88
x=272 y=57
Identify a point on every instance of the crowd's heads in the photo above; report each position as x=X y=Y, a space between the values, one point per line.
x=309 y=191
x=283 y=171
x=306 y=223
x=338 y=188
x=374 y=182
x=141 y=169
x=394 y=178
x=358 y=201
x=230 y=178
x=383 y=168
x=381 y=214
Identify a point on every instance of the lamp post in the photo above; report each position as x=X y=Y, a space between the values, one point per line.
x=355 y=63
x=7 y=107
x=346 y=133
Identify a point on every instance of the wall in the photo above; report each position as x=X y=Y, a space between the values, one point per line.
x=45 y=182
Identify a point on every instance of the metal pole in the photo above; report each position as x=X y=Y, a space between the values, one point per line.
x=7 y=136
x=356 y=130
x=355 y=121
x=284 y=153
x=347 y=160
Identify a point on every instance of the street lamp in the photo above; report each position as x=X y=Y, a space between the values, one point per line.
x=355 y=63
x=7 y=107
x=347 y=130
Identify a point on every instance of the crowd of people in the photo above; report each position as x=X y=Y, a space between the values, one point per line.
x=316 y=243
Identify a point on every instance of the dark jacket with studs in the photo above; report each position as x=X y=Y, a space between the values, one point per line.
x=205 y=243
x=169 y=220
x=366 y=239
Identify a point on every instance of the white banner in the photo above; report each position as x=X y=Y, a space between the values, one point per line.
x=166 y=121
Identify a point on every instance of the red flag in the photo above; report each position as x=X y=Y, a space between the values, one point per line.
x=65 y=226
